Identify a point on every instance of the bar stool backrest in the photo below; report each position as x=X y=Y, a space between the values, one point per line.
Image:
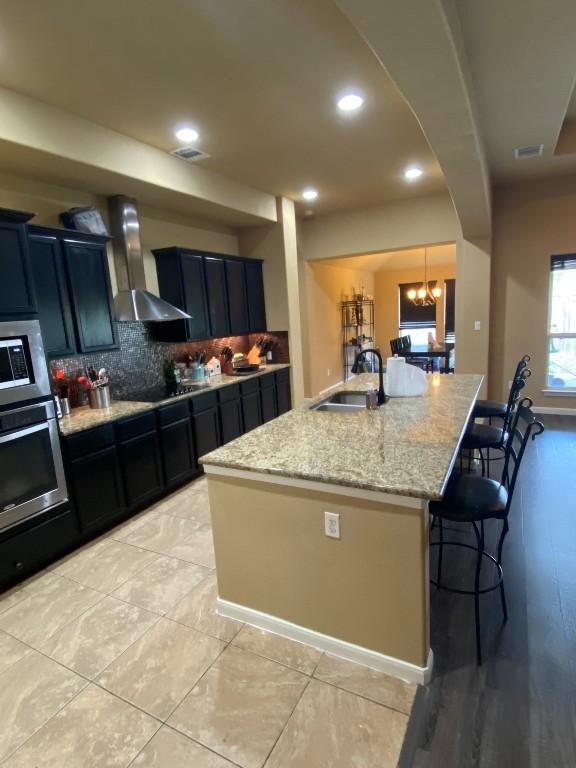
x=395 y=346
x=518 y=384
x=523 y=427
x=522 y=363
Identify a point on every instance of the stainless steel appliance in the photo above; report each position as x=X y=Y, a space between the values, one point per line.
x=31 y=472
x=23 y=371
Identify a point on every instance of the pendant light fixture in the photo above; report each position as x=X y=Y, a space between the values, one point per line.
x=426 y=295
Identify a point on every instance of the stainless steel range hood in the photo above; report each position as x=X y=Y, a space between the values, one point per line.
x=133 y=302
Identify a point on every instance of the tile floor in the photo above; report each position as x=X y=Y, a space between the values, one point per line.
x=115 y=656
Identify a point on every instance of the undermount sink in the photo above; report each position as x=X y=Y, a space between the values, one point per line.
x=342 y=402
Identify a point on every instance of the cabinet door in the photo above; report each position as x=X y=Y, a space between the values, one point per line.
x=141 y=469
x=178 y=457
x=54 y=310
x=195 y=300
x=217 y=299
x=268 y=400
x=206 y=431
x=255 y=295
x=16 y=285
x=283 y=393
x=251 y=411
x=89 y=283
x=230 y=420
x=237 y=303
x=97 y=487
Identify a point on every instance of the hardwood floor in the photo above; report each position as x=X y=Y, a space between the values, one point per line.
x=519 y=708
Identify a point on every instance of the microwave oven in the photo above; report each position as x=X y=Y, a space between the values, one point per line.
x=23 y=369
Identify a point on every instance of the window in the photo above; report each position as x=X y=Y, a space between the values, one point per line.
x=416 y=322
x=449 y=310
x=562 y=323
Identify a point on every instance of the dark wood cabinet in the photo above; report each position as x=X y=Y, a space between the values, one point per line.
x=91 y=294
x=176 y=444
x=53 y=300
x=96 y=486
x=205 y=423
x=181 y=281
x=231 y=423
x=283 y=391
x=251 y=411
x=141 y=469
x=268 y=397
x=255 y=296
x=217 y=296
x=17 y=296
x=237 y=301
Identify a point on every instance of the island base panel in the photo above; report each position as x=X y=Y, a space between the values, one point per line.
x=369 y=588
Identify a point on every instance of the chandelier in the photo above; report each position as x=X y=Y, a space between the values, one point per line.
x=426 y=295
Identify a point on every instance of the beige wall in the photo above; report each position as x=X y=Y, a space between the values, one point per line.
x=325 y=285
x=387 y=300
x=158 y=228
x=532 y=221
x=369 y=588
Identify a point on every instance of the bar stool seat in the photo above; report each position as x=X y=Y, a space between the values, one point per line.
x=489 y=409
x=471 y=498
x=479 y=436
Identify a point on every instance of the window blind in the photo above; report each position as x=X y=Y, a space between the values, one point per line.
x=412 y=316
x=449 y=309
x=567 y=261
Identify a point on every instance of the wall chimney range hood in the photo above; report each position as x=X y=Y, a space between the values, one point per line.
x=133 y=303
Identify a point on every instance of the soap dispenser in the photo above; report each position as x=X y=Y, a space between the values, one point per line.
x=371 y=397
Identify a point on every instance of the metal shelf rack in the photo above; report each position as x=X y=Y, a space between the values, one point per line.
x=357 y=332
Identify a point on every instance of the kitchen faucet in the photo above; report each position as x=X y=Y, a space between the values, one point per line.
x=382 y=396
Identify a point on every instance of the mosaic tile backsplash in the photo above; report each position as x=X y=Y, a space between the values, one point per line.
x=138 y=362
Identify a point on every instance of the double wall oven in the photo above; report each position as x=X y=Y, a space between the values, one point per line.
x=32 y=478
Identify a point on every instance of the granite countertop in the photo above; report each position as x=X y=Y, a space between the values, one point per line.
x=406 y=447
x=86 y=418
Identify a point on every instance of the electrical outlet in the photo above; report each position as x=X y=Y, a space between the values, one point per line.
x=476 y=325
x=332 y=524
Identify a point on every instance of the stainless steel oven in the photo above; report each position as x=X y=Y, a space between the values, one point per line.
x=31 y=472
x=23 y=370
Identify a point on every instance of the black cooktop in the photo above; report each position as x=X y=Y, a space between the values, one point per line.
x=156 y=394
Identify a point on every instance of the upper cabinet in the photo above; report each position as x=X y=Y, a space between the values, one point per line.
x=224 y=295
x=72 y=282
x=17 y=295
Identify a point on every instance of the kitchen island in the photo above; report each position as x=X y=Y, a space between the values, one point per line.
x=363 y=596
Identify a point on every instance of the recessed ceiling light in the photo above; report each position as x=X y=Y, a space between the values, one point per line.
x=413 y=173
x=187 y=135
x=310 y=193
x=350 y=102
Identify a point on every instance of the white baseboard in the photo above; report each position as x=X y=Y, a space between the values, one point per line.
x=344 y=650
x=554 y=411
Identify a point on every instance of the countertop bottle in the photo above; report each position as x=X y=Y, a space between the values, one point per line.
x=371 y=397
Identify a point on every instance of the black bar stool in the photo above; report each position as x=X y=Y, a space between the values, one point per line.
x=490 y=409
x=480 y=437
x=473 y=499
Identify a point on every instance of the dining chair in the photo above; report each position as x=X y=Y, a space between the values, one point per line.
x=472 y=499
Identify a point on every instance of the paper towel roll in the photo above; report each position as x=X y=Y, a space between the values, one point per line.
x=403 y=380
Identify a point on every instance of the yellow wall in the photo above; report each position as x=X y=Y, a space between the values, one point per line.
x=324 y=288
x=532 y=221
x=386 y=295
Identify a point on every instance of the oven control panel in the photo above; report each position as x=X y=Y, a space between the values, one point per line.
x=22 y=418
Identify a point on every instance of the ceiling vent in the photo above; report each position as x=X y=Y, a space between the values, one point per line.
x=520 y=153
x=190 y=154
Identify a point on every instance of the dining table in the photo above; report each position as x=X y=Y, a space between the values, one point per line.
x=424 y=351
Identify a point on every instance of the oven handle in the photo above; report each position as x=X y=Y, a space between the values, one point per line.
x=23 y=432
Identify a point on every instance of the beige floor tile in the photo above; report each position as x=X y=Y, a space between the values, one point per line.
x=198 y=610
x=170 y=749
x=331 y=728
x=297 y=655
x=161 y=585
x=374 y=685
x=175 y=537
x=158 y=670
x=93 y=640
x=47 y=608
x=240 y=706
x=95 y=730
x=106 y=565
x=31 y=691
x=11 y=651
x=17 y=593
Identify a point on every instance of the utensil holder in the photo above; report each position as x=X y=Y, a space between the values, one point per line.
x=99 y=397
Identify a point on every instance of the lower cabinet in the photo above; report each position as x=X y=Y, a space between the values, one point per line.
x=205 y=423
x=176 y=444
x=231 y=423
x=97 y=487
x=268 y=397
x=251 y=407
x=283 y=391
x=141 y=469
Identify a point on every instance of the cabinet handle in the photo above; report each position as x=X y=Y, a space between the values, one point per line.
x=18 y=564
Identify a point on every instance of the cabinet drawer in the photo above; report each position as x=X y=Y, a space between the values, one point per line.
x=203 y=402
x=248 y=387
x=23 y=553
x=226 y=394
x=267 y=381
x=89 y=441
x=168 y=414
x=133 y=426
